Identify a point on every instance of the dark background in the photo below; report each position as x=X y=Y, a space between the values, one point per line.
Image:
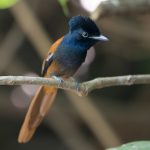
x=107 y=117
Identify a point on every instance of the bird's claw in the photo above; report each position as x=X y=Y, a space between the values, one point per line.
x=59 y=79
x=79 y=89
x=77 y=86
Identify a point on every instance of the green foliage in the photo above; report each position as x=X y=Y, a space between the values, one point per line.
x=138 y=145
x=64 y=6
x=7 y=3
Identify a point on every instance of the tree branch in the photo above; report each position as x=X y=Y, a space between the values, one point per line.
x=121 y=7
x=81 y=88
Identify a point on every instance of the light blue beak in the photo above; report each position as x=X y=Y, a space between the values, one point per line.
x=100 y=38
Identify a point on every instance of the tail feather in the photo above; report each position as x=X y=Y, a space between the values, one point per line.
x=38 y=108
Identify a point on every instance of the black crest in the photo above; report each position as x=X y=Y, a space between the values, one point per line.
x=84 y=23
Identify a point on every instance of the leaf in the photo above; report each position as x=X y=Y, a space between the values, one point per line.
x=7 y=3
x=138 y=145
x=64 y=6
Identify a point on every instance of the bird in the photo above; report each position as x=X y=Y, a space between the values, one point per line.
x=64 y=58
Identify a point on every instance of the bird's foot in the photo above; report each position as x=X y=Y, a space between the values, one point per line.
x=77 y=85
x=59 y=79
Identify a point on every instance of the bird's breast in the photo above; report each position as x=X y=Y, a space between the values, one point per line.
x=70 y=59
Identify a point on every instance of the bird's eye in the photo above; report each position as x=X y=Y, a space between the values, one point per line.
x=85 y=34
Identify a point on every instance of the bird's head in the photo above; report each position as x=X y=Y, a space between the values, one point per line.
x=84 y=31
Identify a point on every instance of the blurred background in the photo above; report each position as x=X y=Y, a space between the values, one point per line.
x=107 y=117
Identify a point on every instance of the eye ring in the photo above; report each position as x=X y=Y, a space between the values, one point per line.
x=85 y=34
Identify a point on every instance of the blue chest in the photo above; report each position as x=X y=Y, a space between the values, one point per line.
x=70 y=56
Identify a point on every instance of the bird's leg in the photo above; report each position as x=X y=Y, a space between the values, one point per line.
x=59 y=79
x=77 y=84
x=78 y=87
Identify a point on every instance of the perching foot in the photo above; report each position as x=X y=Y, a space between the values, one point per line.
x=59 y=79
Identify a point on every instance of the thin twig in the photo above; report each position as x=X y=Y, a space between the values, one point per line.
x=82 y=88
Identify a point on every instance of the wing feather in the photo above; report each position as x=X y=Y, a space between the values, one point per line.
x=47 y=62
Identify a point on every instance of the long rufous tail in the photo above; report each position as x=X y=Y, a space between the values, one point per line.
x=38 y=108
